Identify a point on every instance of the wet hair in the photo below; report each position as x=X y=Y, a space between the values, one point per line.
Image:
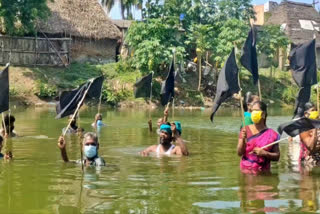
x=91 y=135
x=308 y=106
x=1 y=139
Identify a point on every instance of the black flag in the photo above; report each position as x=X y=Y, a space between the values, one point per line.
x=143 y=86
x=68 y=100
x=303 y=97
x=249 y=56
x=167 y=88
x=4 y=89
x=303 y=64
x=227 y=83
x=295 y=127
x=95 y=88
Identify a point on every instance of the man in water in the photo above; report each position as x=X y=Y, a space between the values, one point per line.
x=73 y=128
x=8 y=126
x=97 y=121
x=90 y=148
x=168 y=134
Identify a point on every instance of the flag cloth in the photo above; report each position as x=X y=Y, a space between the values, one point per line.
x=302 y=98
x=295 y=127
x=143 y=86
x=68 y=100
x=167 y=87
x=303 y=64
x=249 y=56
x=4 y=89
x=95 y=88
x=227 y=83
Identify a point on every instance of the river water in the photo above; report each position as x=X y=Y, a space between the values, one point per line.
x=208 y=181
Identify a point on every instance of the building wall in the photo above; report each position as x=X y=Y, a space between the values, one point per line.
x=259 y=10
x=95 y=51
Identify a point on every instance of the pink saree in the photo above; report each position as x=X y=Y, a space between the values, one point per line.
x=252 y=161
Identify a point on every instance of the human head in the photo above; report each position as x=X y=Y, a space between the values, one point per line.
x=259 y=112
x=9 y=121
x=165 y=134
x=178 y=126
x=98 y=117
x=250 y=99
x=159 y=122
x=90 y=145
x=310 y=111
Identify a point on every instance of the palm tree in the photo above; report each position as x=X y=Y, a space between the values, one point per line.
x=125 y=6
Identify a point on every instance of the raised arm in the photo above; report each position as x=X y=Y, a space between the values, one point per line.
x=166 y=114
x=62 y=147
x=241 y=148
x=180 y=142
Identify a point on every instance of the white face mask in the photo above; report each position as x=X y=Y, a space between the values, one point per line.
x=90 y=151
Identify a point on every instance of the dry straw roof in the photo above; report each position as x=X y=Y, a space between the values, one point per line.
x=82 y=18
x=300 y=21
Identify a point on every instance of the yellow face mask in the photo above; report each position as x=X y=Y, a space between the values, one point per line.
x=256 y=116
x=314 y=115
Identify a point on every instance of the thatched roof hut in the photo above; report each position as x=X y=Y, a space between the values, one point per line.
x=299 y=20
x=79 y=18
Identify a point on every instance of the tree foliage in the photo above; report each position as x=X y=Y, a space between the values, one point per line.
x=270 y=39
x=20 y=16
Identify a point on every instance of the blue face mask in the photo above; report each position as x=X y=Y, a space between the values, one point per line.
x=90 y=151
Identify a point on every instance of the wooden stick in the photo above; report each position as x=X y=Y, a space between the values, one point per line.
x=318 y=100
x=4 y=124
x=241 y=102
x=99 y=106
x=274 y=143
x=172 y=108
x=259 y=88
x=80 y=138
x=78 y=107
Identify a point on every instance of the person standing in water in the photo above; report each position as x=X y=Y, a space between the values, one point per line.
x=90 y=148
x=97 y=121
x=73 y=128
x=8 y=127
x=253 y=137
x=250 y=99
x=168 y=134
x=310 y=141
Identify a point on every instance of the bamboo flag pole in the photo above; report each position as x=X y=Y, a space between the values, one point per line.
x=274 y=143
x=241 y=102
x=4 y=124
x=80 y=138
x=174 y=63
x=100 y=98
x=150 y=99
x=318 y=94
x=78 y=107
x=259 y=88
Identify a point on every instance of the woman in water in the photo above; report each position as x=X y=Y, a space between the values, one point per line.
x=310 y=141
x=97 y=121
x=255 y=136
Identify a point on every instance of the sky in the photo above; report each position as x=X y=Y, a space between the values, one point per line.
x=115 y=12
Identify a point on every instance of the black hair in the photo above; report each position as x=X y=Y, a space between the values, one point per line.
x=308 y=106
x=1 y=139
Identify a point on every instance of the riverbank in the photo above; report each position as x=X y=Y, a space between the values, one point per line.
x=41 y=85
